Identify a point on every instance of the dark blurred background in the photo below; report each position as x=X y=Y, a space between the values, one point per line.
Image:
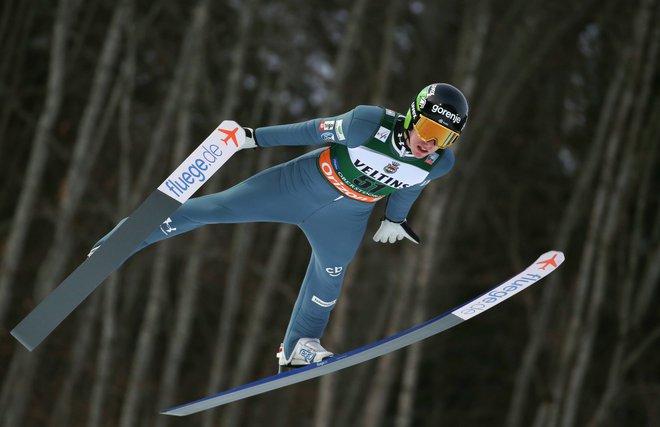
x=102 y=99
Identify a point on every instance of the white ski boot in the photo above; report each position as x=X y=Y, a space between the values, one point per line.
x=305 y=352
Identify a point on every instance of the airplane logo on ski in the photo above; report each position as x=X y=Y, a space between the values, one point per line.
x=230 y=134
x=549 y=262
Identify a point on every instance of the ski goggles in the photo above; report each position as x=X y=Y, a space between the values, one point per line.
x=428 y=130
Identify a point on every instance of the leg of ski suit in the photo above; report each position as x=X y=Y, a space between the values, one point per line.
x=293 y=193
x=334 y=233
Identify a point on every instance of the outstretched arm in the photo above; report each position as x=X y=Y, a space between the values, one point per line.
x=352 y=128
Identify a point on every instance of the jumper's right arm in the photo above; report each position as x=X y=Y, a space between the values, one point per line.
x=359 y=122
x=303 y=133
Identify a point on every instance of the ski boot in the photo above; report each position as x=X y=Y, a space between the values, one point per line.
x=305 y=352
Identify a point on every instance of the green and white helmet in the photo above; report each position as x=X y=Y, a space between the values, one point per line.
x=439 y=112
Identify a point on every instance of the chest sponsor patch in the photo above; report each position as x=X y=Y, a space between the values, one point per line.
x=384 y=169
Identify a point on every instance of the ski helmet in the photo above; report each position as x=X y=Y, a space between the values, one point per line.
x=439 y=112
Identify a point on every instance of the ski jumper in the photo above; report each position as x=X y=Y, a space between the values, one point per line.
x=328 y=193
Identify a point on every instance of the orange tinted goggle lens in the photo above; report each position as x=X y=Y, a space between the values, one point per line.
x=427 y=129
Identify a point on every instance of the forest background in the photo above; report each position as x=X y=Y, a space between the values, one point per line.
x=101 y=99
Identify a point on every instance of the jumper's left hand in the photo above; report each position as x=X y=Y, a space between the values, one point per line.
x=392 y=232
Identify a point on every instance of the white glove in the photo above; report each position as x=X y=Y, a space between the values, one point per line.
x=250 y=139
x=391 y=232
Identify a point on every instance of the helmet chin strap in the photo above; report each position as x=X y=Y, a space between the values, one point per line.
x=402 y=138
x=405 y=133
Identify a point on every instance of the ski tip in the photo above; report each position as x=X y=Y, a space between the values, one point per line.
x=233 y=131
x=550 y=260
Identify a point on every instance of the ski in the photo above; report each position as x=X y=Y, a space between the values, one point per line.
x=195 y=170
x=543 y=266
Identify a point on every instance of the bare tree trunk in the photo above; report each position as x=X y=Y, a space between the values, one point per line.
x=228 y=312
x=146 y=342
x=406 y=401
x=14 y=56
x=378 y=396
x=585 y=278
x=25 y=208
x=413 y=354
x=475 y=28
x=324 y=414
x=622 y=350
x=160 y=133
x=258 y=317
x=230 y=100
x=382 y=80
x=108 y=339
x=342 y=62
x=325 y=410
x=243 y=244
x=180 y=335
x=265 y=160
x=81 y=344
x=500 y=93
x=190 y=278
x=581 y=329
x=231 y=95
x=628 y=313
x=104 y=357
x=144 y=348
x=351 y=398
x=568 y=224
x=585 y=348
x=472 y=42
x=648 y=286
x=271 y=277
x=435 y=208
x=16 y=391
x=170 y=107
x=7 y=11
x=387 y=366
x=244 y=233
x=83 y=337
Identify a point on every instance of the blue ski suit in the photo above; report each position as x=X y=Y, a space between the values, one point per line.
x=332 y=213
